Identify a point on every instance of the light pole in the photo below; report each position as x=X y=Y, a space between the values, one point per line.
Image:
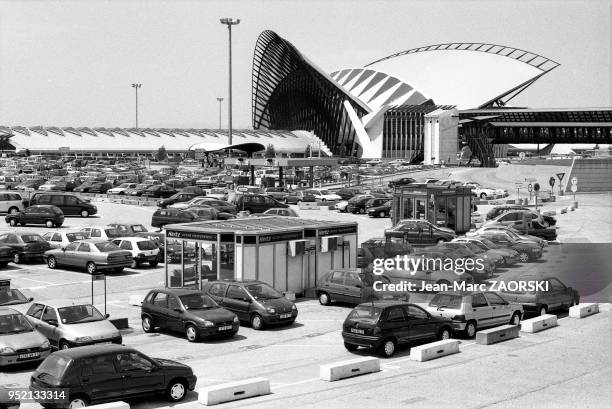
x=220 y=100
x=136 y=86
x=230 y=22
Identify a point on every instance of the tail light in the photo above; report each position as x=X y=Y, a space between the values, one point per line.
x=459 y=318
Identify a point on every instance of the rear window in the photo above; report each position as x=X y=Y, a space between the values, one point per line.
x=75 y=236
x=365 y=312
x=55 y=365
x=104 y=247
x=112 y=233
x=146 y=245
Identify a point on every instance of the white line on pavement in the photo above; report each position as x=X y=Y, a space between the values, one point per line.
x=303 y=345
x=40 y=287
x=285 y=385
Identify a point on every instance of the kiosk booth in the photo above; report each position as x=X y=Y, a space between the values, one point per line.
x=441 y=205
x=288 y=253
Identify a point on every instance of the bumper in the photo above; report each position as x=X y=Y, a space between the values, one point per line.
x=361 y=340
x=511 y=260
x=147 y=259
x=13 y=359
x=214 y=332
x=108 y=266
x=192 y=380
x=458 y=325
x=530 y=307
x=116 y=340
x=275 y=319
x=29 y=256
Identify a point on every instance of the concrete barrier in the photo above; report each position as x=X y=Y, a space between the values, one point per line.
x=111 y=405
x=136 y=299
x=308 y=206
x=583 y=310
x=434 y=350
x=538 y=324
x=497 y=334
x=346 y=369
x=231 y=391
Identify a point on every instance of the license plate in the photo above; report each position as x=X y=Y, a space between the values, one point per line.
x=283 y=316
x=357 y=331
x=225 y=328
x=30 y=355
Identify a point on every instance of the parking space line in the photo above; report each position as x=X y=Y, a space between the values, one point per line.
x=277 y=385
x=303 y=345
x=40 y=287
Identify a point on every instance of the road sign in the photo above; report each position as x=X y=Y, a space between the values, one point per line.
x=98 y=277
x=519 y=184
x=536 y=187
x=530 y=187
x=574 y=180
x=560 y=176
x=574 y=188
x=551 y=181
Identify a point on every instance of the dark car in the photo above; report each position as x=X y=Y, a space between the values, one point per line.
x=190 y=312
x=162 y=217
x=420 y=232
x=205 y=212
x=30 y=184
x=255 y=203
x=383 y=325
x=348 y=192
x=298 y=197
x=196 y=190
x=84 y=187
x=380 y=210
x=70 y=204
x=103 y=373
x=49 y=215
x=25 y=245
x=356 y=204
x=100 y=187
x=138 y=190
x=528 y=251
x=253 y=301
x=221 y=205
x=351 y=286
x=400 y=182
x=176 y=198
x=159 y=191
x=497 y=210
x=557 y=296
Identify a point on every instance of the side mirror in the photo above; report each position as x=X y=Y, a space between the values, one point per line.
x=30 y=299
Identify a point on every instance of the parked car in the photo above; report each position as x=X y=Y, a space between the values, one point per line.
x=68 y=325
x=25 y=245
x=162 y=217
x=60 y=239
x=191 y=312
x=527 y=222
x=122 y=188
x=180 y=197
x=256 y=203
x=558 y=296
x=19 y=340
x=92 y=255
x=278 y=193
x=527 y=251
x=161 y=191
x=30 y=185
x=383 y=325
x=70 y=204
x=138 y=190
x=479 y=271
x=510 y=257
x=143 y=250
x=100 y=187
x=101 y=233
x=323 y=195
x=497 y=210
x=8 y=182
x=49 y=215
x=351 y=286
x=362 y=204
x=474 y=252
x=219 y=193
x=56 y=186
x=121 y=369
x=6 y=255
x=287 y=212
x=348 y=192
x=11 y=202
x=400 y=182
x=220 y=205
x=341 y=206
x=420 y=232
x=126 y=229
x=380 y=210
x=253 y=301
x=471 y=311
x=207 y=212
x=509 y=231
x=299 y=196
x=207 y=182
x=12 y=297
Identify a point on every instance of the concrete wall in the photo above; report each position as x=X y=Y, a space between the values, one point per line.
x=594 y=175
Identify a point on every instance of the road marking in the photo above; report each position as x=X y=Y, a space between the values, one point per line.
x=40 y=287
x=285 y=385
x=466 y=345
x=302 y=345
x=31 y=279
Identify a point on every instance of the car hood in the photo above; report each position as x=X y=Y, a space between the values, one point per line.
x=215 y=315
x=32 y=339
x=96 y=330
x=446 y=230
x=169 y=364
x=280 y=304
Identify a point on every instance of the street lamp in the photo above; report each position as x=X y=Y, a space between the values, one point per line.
x=229 y=22
x=220 y=100
x=136 y=86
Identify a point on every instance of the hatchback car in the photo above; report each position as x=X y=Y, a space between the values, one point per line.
x=11 y=202
x=180 y=197
x=420 y=232
x=288 y=212
x=356 y=204
x=143 y=250
x=92 y=255
x=527 y=251
x=25 y=245
x=470 y=311
x=380 y=209
x=383 y=325
x=256 y=203
x=299 y=196
x=70 y=204
x=121 y=189
x=102 y=233
x=49 y=215
x=350 y=286
x=19 y=341
x=509 y=256
x=191 y=312
x=103 y=373
x=558 y=296
x=60 y=239
x=253 y=301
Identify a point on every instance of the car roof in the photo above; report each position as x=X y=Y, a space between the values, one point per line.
x=176 y=291
x=92 y=350
x=385 y=303
x=61 y=303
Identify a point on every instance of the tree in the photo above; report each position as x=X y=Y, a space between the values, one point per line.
x=270 y=151
x=161 y=154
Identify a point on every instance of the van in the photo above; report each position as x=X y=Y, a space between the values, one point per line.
x=11 y=202
x=71 y=205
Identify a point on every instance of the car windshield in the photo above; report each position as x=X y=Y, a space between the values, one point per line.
x=112 y=233
x=78 y=314
x=12 y=296
x=75 y=236
x=31 y=238
x=365 y=312
x=107 y=246
x=55 y=365
x=14 y=324
x=146 y=245
x=261 y=291
x=197 y=301
x=446 y=301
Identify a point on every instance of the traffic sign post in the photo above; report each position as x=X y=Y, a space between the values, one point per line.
x=530 y=189
x=560 y=177
x=536 y=188
x=519 y=185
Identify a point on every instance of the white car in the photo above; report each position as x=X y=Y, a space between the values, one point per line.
x=143 y=250
x=102 y=233
x=11 y=202
x=120 y=190
x=324 y=195
x=485 y=192
x=60 y=239
x=341 y=206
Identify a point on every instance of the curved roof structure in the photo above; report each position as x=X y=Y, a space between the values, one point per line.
x=468 y=75
x=290 y=92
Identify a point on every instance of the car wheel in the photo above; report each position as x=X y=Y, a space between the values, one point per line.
x=91 y=267
x=440 y=241
x=381 y=214
x=299 y=201
x=49 y=223
x=64 y=345
x=543 y=310
x=13 y=222
x=444 y=333
x=523 y=257
x=362 y=210
x=153 y=263
x=176 y=390
x=350 y=347
x=78 y=401
x=387 y=349
x=257 y=322
x=324 y=299
x=483 y=196
x=470 y=329
x=191 y=332
x=52 y=262
x=134 y=264
x=516 y=318
x=13 y=210
x=17 y=258
x=84 y=213
x=147 y=324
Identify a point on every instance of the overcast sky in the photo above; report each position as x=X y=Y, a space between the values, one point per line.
x=72 y=63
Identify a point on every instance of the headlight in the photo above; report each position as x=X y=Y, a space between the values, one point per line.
x=207 y=323
x=82 y=340
x=45 y=345
x=6 y=351
x=293 y=307
x=236 y=319
x=271 y=310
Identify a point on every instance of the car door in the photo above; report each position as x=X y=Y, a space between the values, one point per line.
x=140 y=375
x=352 y=287
x=481 y=311
x=71 y=205
x=100 y=379
x=238 y=301
x=174 y=314
x=396 y=324
x=157 y=309
x=420 y=324
x=336 y=286
x=426 y=232
x=557 y=294
x=501 y=311
x=69 y=255
x=34 y=314
x=48 y=325
x=81 y=255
